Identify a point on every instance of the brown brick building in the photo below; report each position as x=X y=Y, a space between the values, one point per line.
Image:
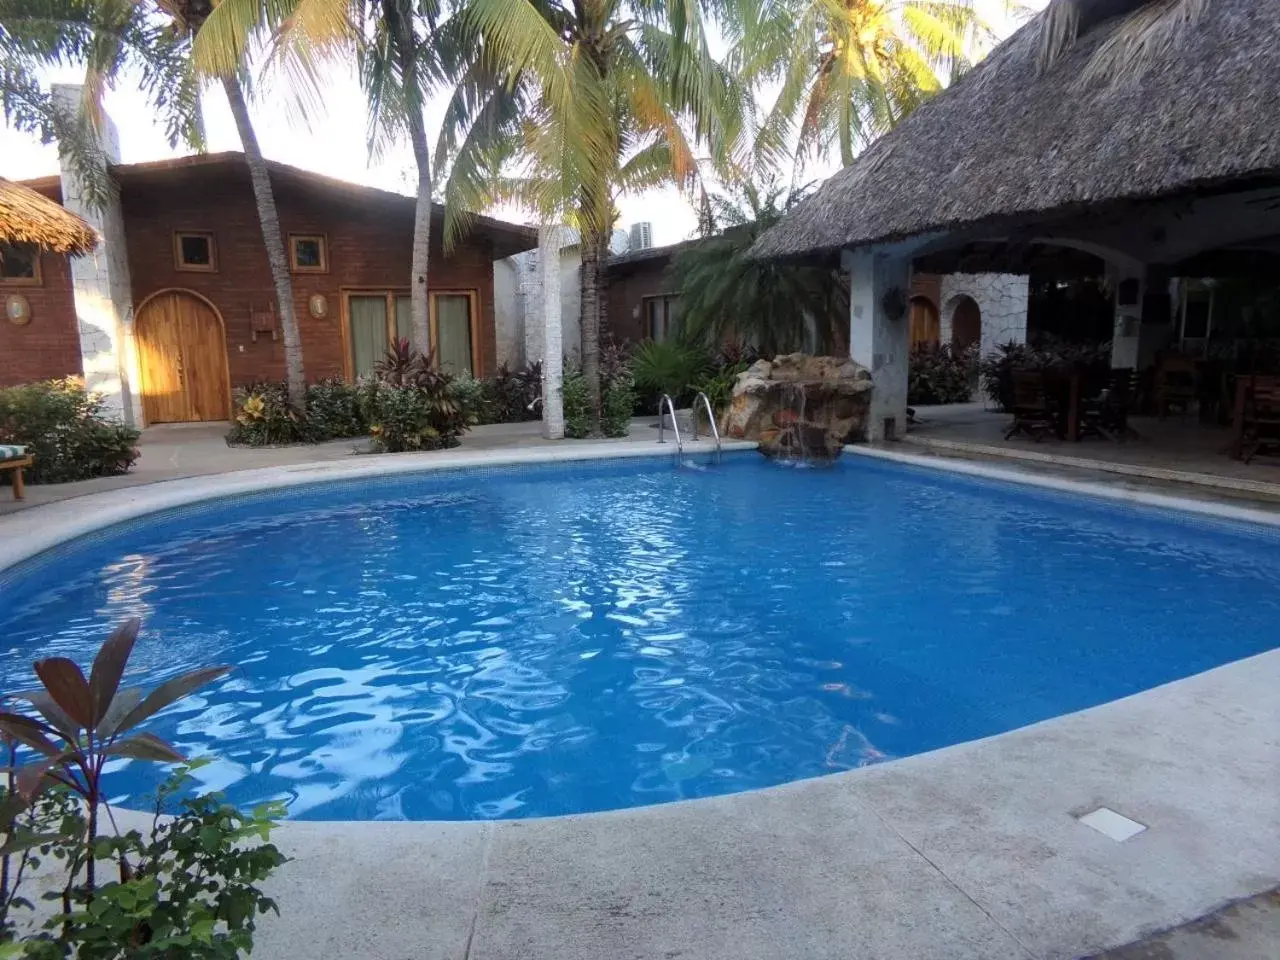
x=195 y=301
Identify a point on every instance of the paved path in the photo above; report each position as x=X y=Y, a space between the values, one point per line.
x=173 y=451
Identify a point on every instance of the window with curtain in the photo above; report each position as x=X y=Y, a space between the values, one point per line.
x=453 y=332
x=660 y=316
x=368 y=319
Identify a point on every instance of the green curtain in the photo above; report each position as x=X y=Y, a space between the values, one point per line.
x=453 y=323
x=404 y=319
x=368 y=317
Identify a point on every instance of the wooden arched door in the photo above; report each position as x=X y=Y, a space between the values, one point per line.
x=182 y=355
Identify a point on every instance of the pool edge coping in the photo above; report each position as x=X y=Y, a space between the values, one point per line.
x=29 y=533
x=1060 y=484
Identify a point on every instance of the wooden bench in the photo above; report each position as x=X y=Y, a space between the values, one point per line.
x=15 y=466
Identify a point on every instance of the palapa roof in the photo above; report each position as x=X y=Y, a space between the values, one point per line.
x=28 y=217
x=1007 y=142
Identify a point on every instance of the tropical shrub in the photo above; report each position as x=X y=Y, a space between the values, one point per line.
x=470 y=394
x=263 y=417
x=509 y=397
x=940 y=374
x=413 y=406
x=577 y=404
x=1046 y=353
x=184 y=889
x=333 y=411
x=617 y=405
x=667 y=367
x=62 y=426
x=718 y=386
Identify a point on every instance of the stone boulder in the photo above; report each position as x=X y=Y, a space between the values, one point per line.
x=796 y=400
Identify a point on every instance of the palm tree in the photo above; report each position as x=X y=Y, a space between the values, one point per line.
x=847 y=70
x=153 y=40
x=1150 y=28
x=563 y=108
x=397 y=45
x=724 y=294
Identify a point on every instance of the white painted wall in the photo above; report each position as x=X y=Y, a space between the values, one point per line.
x=101 y=287
x=1001 y=299
x=518 y=307
x=877 y=341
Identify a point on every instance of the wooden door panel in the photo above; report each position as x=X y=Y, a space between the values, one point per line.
x=204 y=361
x=183 y=359
x=159 y=337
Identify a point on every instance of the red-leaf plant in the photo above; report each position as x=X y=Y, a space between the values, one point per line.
x=85 y=723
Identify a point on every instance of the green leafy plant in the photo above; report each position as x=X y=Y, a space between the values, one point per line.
x=186 y=890
x=724 y=293
x=62 y=426
x=617 y=406
x=940 y=374
x=471 y=395
x=1047 y=353
x=333 y=411
x=263 y=417
x=413 y=406
x=509 y=395
x=577 y=404
x=667 y=367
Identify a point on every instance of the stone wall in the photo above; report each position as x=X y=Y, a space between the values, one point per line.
x=523 y=317
x=1001 y=298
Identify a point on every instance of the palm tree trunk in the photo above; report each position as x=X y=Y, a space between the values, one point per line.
x=590 y=314
x=273 y=241
x=552 y=335
x=404 y=41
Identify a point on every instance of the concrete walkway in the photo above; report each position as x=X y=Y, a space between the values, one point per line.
x=174 y=451
x=973 y=852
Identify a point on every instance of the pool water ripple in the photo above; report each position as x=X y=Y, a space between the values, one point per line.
x=565 y=639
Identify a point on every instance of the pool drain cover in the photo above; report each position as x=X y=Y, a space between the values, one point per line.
x=1111 y=824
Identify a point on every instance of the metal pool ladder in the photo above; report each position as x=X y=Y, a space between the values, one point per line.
x=711 y=419
x=669 y=404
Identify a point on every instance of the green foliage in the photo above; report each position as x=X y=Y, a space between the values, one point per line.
x=726 y=294
x=847 y=71
x=263 y=417
x=62 y=426
x=469 y=394
x=411 y=405
x=1047 y=353
x=941 y=374
x=184 y=890
x=510 y=395
x=667 y=367
x=333 y=411
x=617 y=405
x=146 y=41
x=577 y=405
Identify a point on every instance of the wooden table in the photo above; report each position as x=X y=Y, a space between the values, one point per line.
x=15 y=465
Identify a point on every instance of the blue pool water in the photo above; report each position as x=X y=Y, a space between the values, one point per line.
x=548 y=640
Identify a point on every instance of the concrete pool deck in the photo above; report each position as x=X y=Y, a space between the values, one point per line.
x=974 y=851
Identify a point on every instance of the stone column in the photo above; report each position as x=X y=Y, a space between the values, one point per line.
x=101 y=286
x=552 y=335
x=879 y=333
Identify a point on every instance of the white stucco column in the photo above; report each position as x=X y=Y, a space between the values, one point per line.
x=552 y=334
x=101 y=286
x=879 y=333
x=1141 y=331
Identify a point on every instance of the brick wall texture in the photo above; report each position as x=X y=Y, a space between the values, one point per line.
x=369 y=247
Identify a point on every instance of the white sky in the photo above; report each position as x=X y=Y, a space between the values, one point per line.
x=333 y=143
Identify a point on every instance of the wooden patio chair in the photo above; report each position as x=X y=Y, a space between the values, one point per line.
x=1175 y=383
x=1261 y=420
x=1107 y=413
x=1033 y=407
x=13 y=460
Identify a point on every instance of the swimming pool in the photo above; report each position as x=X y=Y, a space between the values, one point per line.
x=531 y=641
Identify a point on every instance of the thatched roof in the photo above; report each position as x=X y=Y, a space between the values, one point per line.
x=30 y=217
x=1006 y=142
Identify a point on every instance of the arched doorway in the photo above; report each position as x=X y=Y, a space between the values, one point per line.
x=966 y=323
x=182 y=358
x=924 y=321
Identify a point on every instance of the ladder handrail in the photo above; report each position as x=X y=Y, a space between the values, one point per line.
x=711 y=419
x=675 y=424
